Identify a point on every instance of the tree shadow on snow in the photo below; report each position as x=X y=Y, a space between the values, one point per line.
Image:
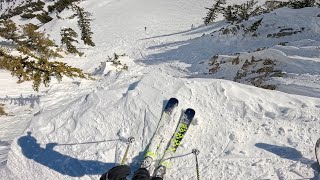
x=61 y=163
x=23 y=100
x=291 y=154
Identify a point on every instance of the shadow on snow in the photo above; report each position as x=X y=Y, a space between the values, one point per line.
x=23 y=101
x=61 y=163
x=291 y=154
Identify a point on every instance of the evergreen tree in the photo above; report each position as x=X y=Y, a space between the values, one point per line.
x=44 y=17
x=35 y=50
x=68 y=36
x=36 y=44
x=242 y=12
x=8 y=30
x=230 y=14
x=84 y=25
x=274 y=4
x=213 y=11
x=39 y=71
x=247 y=10
x=60 y=5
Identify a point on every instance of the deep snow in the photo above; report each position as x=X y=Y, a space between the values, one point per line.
x=76 y=129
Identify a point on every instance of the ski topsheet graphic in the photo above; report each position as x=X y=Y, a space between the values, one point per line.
x=317 y=151
x=182 y=127
x=157 y=138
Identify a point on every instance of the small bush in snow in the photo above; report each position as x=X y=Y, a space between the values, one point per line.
x=117 y=63
x=28 y=15
x=2 y=112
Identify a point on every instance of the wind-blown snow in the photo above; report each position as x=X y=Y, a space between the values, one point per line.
x=76 y=129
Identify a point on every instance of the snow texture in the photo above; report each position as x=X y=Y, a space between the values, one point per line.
x=77 y=129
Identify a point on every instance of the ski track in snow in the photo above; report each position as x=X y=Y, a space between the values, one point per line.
x=77 y=129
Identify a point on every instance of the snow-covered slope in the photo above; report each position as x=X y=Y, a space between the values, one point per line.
x=76 y=129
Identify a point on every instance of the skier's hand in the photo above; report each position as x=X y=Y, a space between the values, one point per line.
x=51 y=145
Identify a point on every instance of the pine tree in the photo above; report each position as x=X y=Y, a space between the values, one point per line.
x=84 y=25
x=44 y=17
x=230 y=14
x=60 y=5
x=68 y=36
x=242 y=12
x=34 y=51
x=8 y=30
x=248 y=9
x=39 y=71
x=271 y=5
x=213 y=12
x=36 y=44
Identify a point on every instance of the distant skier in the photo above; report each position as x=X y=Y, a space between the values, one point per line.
x=145 y=28
x=123 y=171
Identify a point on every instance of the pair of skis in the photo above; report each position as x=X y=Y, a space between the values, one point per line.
x=158 y=139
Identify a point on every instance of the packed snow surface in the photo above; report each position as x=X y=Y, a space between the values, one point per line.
x=77 y=129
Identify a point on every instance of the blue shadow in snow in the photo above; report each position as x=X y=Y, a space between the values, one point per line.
x=291 y=154
x=61 y=163
x=284 y=152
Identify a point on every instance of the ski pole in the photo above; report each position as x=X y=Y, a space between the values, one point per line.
x=196 y=152
x=317 y=149
x=130 y=141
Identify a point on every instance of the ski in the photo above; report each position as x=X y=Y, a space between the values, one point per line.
x=182 y=127
x=317 y=151
x=158 y=136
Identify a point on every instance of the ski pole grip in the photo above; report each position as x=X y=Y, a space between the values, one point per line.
x=131 y=140
x=195 y=151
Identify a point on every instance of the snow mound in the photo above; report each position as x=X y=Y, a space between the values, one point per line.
x=242 y=131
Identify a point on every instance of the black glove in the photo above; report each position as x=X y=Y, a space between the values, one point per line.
x=117 y=173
